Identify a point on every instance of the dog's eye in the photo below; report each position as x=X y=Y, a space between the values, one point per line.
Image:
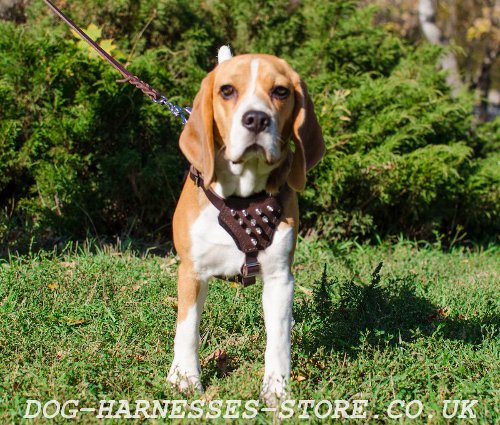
x=280 y=92
x=227 y=91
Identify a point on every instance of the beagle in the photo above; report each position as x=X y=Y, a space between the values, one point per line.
x=238 y=137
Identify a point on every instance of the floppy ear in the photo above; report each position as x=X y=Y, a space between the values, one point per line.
x=308 y=138
x=197 y=138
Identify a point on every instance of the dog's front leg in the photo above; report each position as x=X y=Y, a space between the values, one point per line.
x=277 y=301
x=185 y=370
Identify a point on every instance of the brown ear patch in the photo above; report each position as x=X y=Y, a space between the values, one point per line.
x=197 y=138
x=307 y=136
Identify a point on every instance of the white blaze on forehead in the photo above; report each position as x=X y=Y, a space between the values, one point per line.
x=224 y=54
x=254 y=69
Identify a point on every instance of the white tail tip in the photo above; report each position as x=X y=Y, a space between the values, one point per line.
x=224 y=54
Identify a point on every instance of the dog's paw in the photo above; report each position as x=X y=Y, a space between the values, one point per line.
x=274 y=391
x=185 y=380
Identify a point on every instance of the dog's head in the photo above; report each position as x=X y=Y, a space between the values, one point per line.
x=250 y=106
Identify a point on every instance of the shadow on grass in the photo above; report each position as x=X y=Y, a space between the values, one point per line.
x=344 y=315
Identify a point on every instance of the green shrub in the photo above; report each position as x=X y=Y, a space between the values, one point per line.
x=81 y=155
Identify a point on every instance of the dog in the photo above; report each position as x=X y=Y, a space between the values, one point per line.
x=248 y=110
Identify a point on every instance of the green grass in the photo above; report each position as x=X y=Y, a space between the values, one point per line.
x=92 y=325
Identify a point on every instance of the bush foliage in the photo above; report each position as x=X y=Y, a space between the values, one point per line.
x=83 y=156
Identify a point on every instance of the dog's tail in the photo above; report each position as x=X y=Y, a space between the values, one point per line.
x=224 y=54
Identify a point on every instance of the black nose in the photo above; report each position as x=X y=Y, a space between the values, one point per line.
x=256 y=121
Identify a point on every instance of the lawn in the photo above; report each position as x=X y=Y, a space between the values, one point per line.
x=92 y=324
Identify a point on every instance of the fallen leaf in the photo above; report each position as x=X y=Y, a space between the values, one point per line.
x=305 y=290
x=137 y=286
x=74 y=322
x=297 y=377
x=168 y=262
x=444 y=312
x=221 y=360
x=172 y=302
x=439 y=315
x=52 y=286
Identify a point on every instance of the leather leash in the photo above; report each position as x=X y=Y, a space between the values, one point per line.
x=149 y=91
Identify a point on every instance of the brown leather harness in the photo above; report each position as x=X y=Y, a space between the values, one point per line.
x=250 y=221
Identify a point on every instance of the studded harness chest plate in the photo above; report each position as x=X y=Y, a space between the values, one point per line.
x=251 y=222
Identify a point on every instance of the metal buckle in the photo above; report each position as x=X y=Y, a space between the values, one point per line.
x=196 y=176
x=250 y=269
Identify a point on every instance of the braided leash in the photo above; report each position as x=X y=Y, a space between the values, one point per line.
x=149 y=91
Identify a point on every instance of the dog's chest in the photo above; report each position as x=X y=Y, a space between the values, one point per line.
x=214 y=252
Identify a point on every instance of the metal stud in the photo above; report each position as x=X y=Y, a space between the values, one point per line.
x=245 y=213
x=269 y=208
x=248 y=230
x=240 y=221
x=254 y=241
x=253 y=222
x=265 y=219
x=258 y=230
x=258 y=211
x=233 y=213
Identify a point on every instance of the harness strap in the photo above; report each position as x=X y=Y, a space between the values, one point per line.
x=216 y=200
x=251 y=223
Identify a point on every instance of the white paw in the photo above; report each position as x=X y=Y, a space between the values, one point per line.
x=184 y=380
x=274 y=391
